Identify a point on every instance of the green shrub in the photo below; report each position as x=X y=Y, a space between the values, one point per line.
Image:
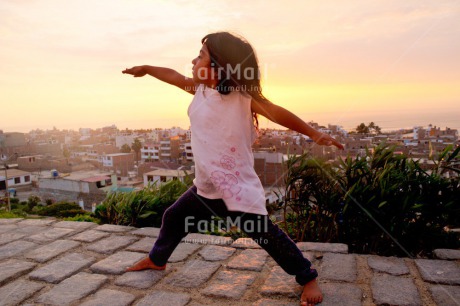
x=11 y=214
x=14 y=201
x=83 y=218
x=33 y=201
x=60 y=209
x=140 y=208
x=49 y=201
x=381 y=203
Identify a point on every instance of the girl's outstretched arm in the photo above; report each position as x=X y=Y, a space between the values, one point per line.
x=167 y=75
x=287 y=119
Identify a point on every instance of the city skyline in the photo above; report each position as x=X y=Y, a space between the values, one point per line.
x=394 y=63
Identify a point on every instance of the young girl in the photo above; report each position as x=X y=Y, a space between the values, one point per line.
x=223 y=116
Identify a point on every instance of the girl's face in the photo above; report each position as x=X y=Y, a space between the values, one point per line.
x=202 y=71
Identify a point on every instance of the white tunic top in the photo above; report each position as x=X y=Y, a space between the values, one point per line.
x=222 y=136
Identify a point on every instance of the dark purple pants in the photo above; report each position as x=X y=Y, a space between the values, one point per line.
x=184 y=215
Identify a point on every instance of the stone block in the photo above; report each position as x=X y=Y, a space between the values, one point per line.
x=36 y=222
x=51 y=234
x=14 y=268
x=89 y=236
x=229 y=284
x=339 y=267
x=193 y=274
x=14 y=293
x=110 y=297
x=141 y=279
x=10 y=221
x=31 y=230
x=216 y=253
x=323 y=247
x=7 y=228
x=341 y=294
x=245 y=243
x=439 y=271
x=164 y=298
x=10 y=237
x=111 y=244
x=62 y=268
x=448 y=254
x=114 y=228
x=147 y=231
x=143 y=245
x=73 y=289
x=117 y=263
x=393 y=290
x=279 y=283
x=269 y=302
x=446 y=295
x=390 y=265
x=78 y=226
x=183 y=251
x=207 y=239
x=250 y=259
x=49 y=251
x=15 y=248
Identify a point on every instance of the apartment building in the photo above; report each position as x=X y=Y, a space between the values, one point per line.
x=119 y=163
x=150 y=152
x=15 y=178
x=270 y=168
x=166 y=175
x=188 y=152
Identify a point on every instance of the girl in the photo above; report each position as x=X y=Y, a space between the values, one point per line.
x=223 y=117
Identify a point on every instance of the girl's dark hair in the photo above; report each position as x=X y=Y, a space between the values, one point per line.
x=237 y=66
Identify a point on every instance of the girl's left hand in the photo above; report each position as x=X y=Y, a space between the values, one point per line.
x=326 y=140
x=137 y=71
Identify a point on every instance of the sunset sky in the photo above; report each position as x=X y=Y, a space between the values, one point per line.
x=393 y=62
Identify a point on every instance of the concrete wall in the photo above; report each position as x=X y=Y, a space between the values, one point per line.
x=64 y=185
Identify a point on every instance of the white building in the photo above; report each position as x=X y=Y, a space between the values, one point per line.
x=165 y=175
x=188 y=152
x=121 y=140
x=150 y=152
x=16 y=178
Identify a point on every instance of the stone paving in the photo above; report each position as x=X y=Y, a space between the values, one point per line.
x=52 y=262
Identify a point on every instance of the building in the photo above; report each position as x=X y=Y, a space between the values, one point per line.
x=165 y=175
x=12 y=143
x=16 y=178
x=188 y=152
x=119 y=163
x=270 y=168
x=83 y=186
x=121 y=140
x=150 y=152
x=170 y=149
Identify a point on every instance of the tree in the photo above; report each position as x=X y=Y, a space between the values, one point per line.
x=366 y=129
x=137 y=146
x=66 y=152
x=125 y=148
x=362 y=129
x=374 y=128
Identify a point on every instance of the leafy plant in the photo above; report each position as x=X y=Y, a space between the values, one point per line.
x=381 y=203
x=83 y=218
x=60 y=209
x=140 y=208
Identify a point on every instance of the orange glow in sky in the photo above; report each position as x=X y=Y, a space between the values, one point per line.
x=396 y=63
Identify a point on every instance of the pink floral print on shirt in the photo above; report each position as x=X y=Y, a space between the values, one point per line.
x=226 y=183
x=227 y=162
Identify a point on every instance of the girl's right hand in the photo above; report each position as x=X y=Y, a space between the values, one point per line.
x=136 y=71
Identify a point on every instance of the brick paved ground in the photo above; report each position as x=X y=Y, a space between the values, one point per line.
x=51 y=262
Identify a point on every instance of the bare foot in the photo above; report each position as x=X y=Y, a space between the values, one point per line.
x=145 y=264
x=311 y=294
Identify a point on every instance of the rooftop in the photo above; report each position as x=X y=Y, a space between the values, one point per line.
x=52 y=262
